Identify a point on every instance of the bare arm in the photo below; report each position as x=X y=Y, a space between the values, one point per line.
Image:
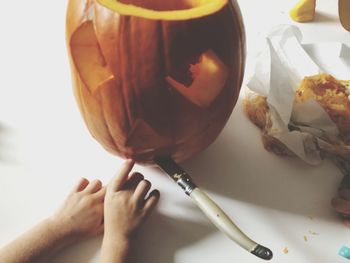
x=80 y=216
x=116 y=250
x=35 y=245
x=126 y=208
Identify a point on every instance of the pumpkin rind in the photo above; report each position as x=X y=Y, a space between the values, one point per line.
x=119 y=78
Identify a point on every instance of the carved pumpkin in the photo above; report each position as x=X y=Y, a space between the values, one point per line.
x=344 y=13
x=155 y=77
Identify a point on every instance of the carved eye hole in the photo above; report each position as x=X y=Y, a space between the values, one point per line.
x=209 y=78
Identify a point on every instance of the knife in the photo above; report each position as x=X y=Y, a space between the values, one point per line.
x=214 y=213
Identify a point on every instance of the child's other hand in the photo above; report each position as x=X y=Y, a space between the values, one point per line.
x=81 y=214
x=342 y=203
x=126 y=203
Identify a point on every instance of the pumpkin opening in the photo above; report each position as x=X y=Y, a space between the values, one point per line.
x=161 y=5
x=165 y=9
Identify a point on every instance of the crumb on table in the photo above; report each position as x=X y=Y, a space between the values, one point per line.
x=313 y=233
x=285 y=250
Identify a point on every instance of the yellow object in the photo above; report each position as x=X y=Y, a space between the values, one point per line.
x=344 y=13
x=304 y=11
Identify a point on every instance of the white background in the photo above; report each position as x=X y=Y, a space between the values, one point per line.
x=45 y=148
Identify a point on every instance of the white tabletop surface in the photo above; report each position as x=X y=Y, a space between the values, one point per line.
x=45 y=148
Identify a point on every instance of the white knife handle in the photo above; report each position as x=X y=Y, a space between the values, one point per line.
x=219 y=218
x=215 y=214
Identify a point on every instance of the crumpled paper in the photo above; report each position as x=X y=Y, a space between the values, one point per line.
x=279 y=70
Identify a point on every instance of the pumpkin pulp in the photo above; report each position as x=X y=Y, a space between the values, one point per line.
x=165 y=9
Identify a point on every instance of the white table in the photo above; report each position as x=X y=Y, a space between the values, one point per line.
x=45 y=148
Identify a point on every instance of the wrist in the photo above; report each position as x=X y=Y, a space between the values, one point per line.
x=59 y=231
x=116 y=239
x=116 y=248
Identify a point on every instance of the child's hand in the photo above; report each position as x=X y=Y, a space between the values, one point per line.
x=81 y=215
x=342 y=203
x=127 y=204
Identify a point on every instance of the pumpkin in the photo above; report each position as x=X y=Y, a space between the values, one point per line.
x=344 y=13
x=155 y=78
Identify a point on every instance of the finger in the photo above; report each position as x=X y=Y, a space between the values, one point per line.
x=100 y=194
x=93 y=186
x=341 y=205
x=347 y=223
x=121 y=177
x=151 y=202
x=133 y=181
x=345 y=194
x=99 y=230
x=80 y=186
x=345 y=183
x=141 y=191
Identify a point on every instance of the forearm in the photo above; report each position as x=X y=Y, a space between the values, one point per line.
x=35 y=245
x=115 y=250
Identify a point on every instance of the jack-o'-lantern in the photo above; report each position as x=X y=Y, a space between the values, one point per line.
x=155 y=78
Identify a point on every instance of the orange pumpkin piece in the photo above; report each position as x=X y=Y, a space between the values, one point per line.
x=88 y=58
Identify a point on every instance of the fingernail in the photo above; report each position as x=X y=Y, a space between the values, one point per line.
x=155 y=192
x=345 y=216
x=345 y=183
